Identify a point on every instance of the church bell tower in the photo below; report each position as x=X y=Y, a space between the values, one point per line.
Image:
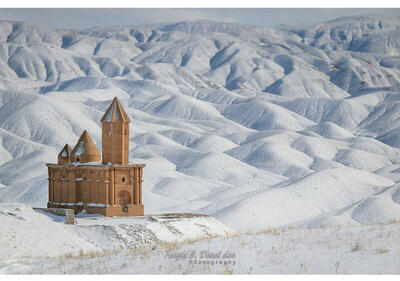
x=115 y=135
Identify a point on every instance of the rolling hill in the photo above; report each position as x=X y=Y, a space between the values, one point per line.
x=258 y=126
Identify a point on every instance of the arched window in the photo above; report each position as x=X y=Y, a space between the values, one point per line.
x=123 y=179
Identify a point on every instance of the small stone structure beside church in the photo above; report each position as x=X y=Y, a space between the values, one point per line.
x=108 y=185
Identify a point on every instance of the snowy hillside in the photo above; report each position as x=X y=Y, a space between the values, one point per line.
x=118 y=246
x=95 y=233
x=258 y=127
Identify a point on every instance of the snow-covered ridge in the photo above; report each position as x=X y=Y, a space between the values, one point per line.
x=226 y=117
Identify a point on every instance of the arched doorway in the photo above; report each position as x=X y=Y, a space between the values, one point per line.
x=124 y=200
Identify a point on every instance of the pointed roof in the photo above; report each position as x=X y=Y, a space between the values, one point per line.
x=115 y=113
x=66 y=151
x=85 y=146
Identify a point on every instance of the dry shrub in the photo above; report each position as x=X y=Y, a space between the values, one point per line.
x=171 y=246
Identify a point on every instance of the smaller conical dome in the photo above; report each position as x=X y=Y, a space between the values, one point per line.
x=85 y=150
x=64 y=157
x=115 y=113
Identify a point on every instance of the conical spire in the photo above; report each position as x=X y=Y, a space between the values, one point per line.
x=85 y=150
x=64 y=157
x=115 y=113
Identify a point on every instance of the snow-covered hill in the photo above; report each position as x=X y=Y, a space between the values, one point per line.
x=104 y=246
x=259 y=127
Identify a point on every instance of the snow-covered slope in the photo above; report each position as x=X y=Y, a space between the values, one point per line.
x=260 y=127
x=346 y=249
x=32 y=234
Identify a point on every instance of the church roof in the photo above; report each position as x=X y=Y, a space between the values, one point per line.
x=85 y=146
x=115 y=113
x=66 y=151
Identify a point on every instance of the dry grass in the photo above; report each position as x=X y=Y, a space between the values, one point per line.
x=337 y=264
x=170 y=246
x=280 y=230
x=194 y=240
x=228 y=270
x=382 y=251
x=274 y=231
x=175 y=245
x=303 y=268
x=145 y=255
x=356 y=247
x=91 y=254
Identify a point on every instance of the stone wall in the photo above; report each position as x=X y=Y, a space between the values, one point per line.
x=67 y=213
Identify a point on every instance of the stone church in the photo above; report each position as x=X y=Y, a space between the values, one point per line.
x=106 y=184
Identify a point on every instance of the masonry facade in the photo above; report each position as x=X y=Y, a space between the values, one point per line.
x=106 y=184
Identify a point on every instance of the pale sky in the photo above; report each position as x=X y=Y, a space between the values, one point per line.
x=86 y=18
